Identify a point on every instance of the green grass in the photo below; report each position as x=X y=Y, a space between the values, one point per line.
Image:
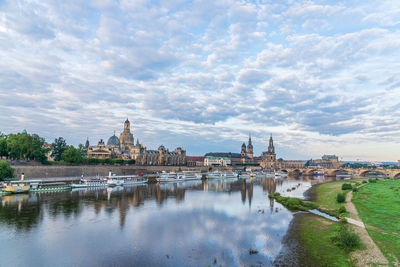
x=378 y=205
x=293 y=204
x=316 y=233
x=326 y=194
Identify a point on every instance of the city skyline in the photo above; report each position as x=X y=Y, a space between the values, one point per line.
x=322 y=77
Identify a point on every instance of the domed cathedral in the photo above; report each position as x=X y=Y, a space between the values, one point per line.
x=113 y=142
x=124 y=147
x=269 y=157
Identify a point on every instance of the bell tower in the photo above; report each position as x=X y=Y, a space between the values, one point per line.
x=250 y=148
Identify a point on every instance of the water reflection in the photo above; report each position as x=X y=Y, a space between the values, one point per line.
x=172 y=224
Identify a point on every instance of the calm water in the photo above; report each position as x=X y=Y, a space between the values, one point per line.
x=184 y=224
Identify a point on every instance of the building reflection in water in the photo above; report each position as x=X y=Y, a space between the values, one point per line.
x=26 y=210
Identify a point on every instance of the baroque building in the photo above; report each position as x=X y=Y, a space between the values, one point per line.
x=268 y=158
x=124 y=148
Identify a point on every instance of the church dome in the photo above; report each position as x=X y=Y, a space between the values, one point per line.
x=113 y=141
x=161 y=147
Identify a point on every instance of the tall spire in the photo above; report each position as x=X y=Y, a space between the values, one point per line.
x=271 y=148
x=249 y=139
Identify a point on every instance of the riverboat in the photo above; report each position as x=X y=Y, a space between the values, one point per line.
x=39 y=186
x=188 y=176
x=121 y=180
x=222 y=175
x=167 y=177
x=17 y=187
x=90 y=183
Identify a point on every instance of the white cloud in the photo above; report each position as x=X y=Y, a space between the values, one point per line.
x=311 y=72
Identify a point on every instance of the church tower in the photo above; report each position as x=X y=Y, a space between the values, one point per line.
x=126 y=138
x=250 y=148
x=243 y=151
x=271 y=148
x=269 y=157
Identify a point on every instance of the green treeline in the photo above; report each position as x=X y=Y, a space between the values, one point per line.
x=23 y=146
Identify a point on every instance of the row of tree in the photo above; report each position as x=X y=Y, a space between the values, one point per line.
x=23 y=146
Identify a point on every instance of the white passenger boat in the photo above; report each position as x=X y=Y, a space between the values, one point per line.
x=258 y=175
x=102 y=182
x=121 y=180
x=188 y=176
x=167 y=177
x=222 y=175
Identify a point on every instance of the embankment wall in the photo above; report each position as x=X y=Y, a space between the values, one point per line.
x=42 y=171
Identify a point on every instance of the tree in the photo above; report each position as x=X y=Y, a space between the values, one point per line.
x=72 y=155
x=3 y=146
x=59 y=146
x=5 y=170
x=83 y=151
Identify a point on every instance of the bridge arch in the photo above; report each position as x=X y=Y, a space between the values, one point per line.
x=372 y=172
x=396 y=175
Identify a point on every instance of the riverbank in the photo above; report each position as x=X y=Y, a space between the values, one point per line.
x=310 y=237
x=378 y=205
x=313 y=240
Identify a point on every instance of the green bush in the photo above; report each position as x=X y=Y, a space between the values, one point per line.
x=342 y=209
x=346 y=239
x=355 y=189
x=364 y=182
x=340 y=198
x=346 y=186
x=372 y=180
x=5 y=170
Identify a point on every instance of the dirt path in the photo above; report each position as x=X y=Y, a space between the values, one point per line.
x=371 y=254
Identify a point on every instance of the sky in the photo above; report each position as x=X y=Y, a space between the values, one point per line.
x=323 y=77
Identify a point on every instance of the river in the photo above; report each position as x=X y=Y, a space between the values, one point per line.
x=196 y=223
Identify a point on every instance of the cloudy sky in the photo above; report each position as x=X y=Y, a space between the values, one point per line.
x=321 y=76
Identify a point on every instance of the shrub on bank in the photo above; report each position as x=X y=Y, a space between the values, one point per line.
x=293 y=204
x=372 y=180
x=340 y=198
x=346 y=186
x=342 y=209
x=364 y=182
x=355 y=189
x=347 y=239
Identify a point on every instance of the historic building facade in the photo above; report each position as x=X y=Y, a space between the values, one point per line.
x=124 y=148
x=268 y=158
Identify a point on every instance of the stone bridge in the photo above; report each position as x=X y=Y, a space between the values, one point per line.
x=392 y=173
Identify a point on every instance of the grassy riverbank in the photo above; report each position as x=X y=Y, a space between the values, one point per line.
x=378 y=205
x=317 y=234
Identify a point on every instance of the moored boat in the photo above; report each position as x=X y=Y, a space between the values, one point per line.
x=188 y=176
x=17 y=187
x=90 y=183
x=167 y=177
x=121 y=180
x=222 y=175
